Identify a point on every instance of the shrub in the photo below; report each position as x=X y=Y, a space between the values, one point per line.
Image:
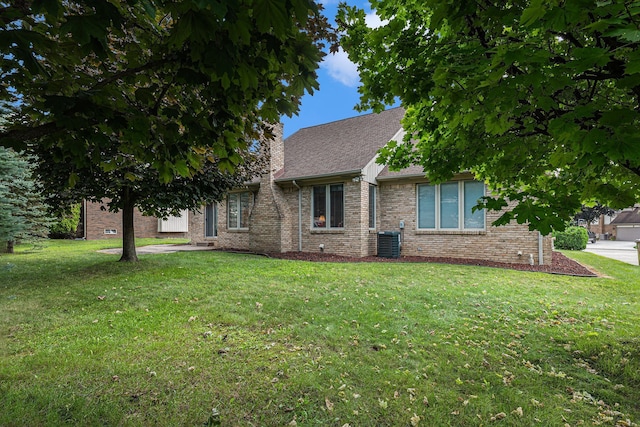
x=573 y=238
x=66 y=225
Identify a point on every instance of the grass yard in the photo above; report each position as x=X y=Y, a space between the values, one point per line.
x=210 y=338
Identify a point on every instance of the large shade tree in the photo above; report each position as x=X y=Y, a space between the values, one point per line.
x=152 y=90
x=539 y=98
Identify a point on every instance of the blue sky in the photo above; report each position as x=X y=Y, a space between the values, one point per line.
x=339 y=80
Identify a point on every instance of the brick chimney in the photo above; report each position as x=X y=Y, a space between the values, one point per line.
x=269 y=227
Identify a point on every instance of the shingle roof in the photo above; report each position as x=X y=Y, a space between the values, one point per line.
x=627 y=217
x=338 y=147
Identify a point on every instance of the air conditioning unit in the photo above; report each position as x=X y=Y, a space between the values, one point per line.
x=389 y=244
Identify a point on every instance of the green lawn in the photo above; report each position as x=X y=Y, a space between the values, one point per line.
x=85 y=340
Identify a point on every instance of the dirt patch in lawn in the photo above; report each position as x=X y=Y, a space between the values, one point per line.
x=560 y=263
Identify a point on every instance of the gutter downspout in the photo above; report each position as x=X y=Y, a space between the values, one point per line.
x=84 y=219
x=540 y=251
x=299 y=215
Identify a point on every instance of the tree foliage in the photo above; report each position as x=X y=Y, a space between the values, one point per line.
x=23 y=215
x=65 y=225
x=117 y=98
x=591 y=213
x=539 y=98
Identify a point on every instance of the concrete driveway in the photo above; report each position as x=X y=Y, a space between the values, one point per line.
x=615 y=249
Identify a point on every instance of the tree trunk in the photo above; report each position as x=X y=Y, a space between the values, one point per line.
x=128 y=235
x=8 y=248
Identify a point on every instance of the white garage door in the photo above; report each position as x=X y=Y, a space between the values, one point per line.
x=628 y=232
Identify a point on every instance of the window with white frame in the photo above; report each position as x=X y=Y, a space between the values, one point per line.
x=238 y=210
x=449 y=206
x=211 y=220
x=328 y=206
x=372 y=206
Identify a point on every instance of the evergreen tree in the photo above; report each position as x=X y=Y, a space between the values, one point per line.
x=23 y=214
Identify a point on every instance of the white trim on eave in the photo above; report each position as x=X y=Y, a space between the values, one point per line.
x=371 y=171
x=355 y=172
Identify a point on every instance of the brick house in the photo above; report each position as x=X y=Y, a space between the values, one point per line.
x=98 y=223
x=324 y=192
x=626 y=225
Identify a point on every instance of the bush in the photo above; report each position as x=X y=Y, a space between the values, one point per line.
x=573 y=238
x=66 y=225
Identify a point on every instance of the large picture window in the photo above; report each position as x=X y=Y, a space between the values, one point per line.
x=238 y=210
x=449 y=206
x=328 y=206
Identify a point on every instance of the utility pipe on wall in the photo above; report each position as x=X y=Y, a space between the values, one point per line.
x=299 y=215
x=84 y=219
x=540 y=250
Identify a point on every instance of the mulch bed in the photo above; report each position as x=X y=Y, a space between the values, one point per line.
x=560 y=264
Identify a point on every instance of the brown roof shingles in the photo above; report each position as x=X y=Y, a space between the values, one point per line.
x=627 y=217
x=338 y=147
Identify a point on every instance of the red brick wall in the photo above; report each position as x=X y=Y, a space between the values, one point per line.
x=97 y=220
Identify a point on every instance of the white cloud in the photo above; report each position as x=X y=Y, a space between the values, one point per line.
x=341 y=68
x=373 y=21
x=338 y=65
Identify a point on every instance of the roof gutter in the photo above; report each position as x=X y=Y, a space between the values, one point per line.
x=398 y=177
x=320 y=176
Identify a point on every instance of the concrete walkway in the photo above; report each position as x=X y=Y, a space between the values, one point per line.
x=159 y=249
x=615 y=249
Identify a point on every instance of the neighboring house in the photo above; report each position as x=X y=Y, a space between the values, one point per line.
x=99 y=223
x=627 y=224
x=324 y=192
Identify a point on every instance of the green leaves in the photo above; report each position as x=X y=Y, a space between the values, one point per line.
x=539 y=98
x=159 y=100
x=271 y=15
x=533 y=13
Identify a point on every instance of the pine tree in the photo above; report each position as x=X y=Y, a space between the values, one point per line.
x=23 y=215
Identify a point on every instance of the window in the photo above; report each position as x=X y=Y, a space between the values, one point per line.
x=238 y=210
x=328 y=206
x=449 y=206
x=211 y=220
x=372 y=206
x=110 y=231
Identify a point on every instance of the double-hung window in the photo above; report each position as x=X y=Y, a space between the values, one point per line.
x=238 y=210
x=449 y=206
x=328 y=206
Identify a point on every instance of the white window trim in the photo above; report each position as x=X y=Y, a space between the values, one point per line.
x=327 y=208
x=461 y=226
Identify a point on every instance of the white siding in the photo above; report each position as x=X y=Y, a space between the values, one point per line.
x=174 y=224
